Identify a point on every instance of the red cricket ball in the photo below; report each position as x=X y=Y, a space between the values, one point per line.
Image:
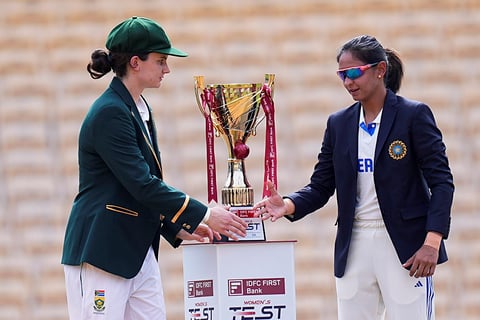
x=241 y=150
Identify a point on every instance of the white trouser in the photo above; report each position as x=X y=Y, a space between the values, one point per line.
x=95 y=294
x=375 y=285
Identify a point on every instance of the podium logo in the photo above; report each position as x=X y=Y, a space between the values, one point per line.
x=255 y=287
x=200 y=288
x=254 y=313
x=235 y=287
x=201 y=313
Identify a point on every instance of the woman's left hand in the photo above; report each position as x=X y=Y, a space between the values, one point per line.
x=199 y=235
x=423 y=262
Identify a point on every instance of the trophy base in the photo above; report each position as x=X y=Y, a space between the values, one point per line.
x=255 y=229
x=237 y=196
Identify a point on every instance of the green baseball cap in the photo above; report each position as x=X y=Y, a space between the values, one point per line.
x=141 y=35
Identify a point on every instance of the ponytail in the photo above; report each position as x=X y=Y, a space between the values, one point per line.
x=102 y=63
x=99 y=64
x=393 y=79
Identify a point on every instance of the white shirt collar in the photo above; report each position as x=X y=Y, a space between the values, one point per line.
x=371 y=127
x=143 y=109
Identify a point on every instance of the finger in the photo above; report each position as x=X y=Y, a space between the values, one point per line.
x=416 y=271
x=238 y=222
x=196 y=237
x=408 y=264
x=422 y=272
x=430 y=270
x=210 y=235
x=412 y=271
x=239 y=227
x=261 y=211
x=271 y=188
x=263 y=216
x=238 y=231
x=267 y=215
x=217 y=235
x=231 y=235
x=259 y=205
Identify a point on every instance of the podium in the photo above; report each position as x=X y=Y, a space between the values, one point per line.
x=245 y=280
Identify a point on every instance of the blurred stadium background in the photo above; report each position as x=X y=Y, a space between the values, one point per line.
x=45 y=92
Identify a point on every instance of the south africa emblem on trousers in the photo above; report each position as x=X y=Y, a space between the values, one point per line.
x=397 y=150
x=99 y=301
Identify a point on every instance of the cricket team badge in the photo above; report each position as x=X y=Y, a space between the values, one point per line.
x=99 y=301
x=397 y=150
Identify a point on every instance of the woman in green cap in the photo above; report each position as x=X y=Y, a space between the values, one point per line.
x=123 y=205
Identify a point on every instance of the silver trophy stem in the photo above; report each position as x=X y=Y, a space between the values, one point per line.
x=237 y=191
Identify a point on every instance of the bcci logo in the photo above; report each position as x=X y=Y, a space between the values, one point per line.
x=397 y=150
x=99 y=301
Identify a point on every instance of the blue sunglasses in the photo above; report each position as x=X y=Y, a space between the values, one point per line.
x=354 y=72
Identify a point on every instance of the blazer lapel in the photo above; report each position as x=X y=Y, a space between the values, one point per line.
x=153 y=134
x=154 y=144
x=120 y=88
x=138 y=118
x=388 y=115
x=351 y=130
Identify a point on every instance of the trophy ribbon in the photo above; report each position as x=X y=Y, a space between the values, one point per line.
x=208 y=102
x=270 y=172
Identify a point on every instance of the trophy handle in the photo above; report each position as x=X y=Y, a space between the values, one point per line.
x=270 y=83
x=270 y=80
x=199 y=91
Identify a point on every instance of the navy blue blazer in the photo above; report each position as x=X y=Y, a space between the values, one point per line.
x=412 y=177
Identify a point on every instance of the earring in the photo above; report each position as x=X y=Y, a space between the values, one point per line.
x=379 y=76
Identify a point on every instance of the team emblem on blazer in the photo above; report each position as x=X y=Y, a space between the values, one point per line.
x=397 y=150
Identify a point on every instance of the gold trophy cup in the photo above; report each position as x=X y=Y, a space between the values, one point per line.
x=232 y=111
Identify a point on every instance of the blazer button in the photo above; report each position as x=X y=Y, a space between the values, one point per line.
x=186 y=226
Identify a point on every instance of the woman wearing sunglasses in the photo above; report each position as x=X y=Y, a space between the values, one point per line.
x=385 y=159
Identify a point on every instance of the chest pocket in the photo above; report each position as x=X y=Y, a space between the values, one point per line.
x=123 y=210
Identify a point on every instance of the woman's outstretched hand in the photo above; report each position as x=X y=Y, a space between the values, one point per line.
x=226 y=222
x=273 y=207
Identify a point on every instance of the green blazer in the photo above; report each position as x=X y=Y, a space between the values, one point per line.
x=123 y=206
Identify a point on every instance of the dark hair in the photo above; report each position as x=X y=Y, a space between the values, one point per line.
x=102 y=62
x=369 y=50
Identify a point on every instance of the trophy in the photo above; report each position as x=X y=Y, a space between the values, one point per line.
x=233 y=111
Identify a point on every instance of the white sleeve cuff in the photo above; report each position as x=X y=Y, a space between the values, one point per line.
x=206 y=216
